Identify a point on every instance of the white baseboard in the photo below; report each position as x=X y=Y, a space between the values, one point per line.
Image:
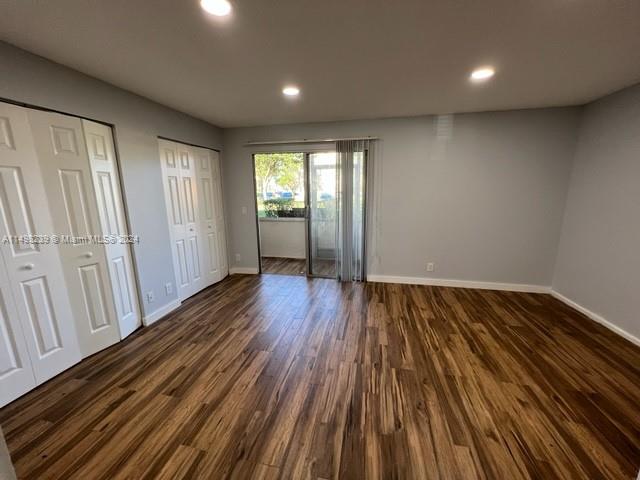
x=243 y=270
x=442 y=282
x=161 y=312
x=596 y=318
x=510 y=287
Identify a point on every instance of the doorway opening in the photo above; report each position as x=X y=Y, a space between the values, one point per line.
x=297 y=212
x=310 y=211
x=323 y=214
x=281 y=207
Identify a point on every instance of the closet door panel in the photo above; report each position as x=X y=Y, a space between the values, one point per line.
x=93 y=290
x=192 y=210
x=16 y=211
x=181 y=253
x=62 y=153
x=191 y=216
x=125 y=294
x=102 y=159
x=194 y=250
x=214 y=265
x=34 y=270
x=219 y=213
x=207 y=215
x=16 y=372
x=175 y=205
x=174 y=200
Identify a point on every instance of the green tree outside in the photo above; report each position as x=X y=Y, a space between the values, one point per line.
x=284 y=171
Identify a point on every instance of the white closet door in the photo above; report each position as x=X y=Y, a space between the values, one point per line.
x=174 y=200
x=188 y=182
x=208 y=219
x=219 y=209
x=61 y=150
x=181 y=197
x=100 y=148
x=16 y=372
x=34 y=270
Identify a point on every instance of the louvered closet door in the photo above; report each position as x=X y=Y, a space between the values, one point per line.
x=61 y=150
x=34 y=270
x=100 y=148
x=208 y=220
x=219 y=212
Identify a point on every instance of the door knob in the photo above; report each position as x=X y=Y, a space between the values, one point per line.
x=191 y=229
x=88 y=254
x=28 y=266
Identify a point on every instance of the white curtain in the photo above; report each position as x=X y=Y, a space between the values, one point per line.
x=352 y=157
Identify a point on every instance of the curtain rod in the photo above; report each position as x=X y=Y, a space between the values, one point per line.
x=306 y=140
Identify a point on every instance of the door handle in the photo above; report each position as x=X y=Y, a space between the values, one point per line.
x=28 y=266
x=88 y=254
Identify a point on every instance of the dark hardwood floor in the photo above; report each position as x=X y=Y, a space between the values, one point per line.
x=298 y=266
x=284 y=266
x=284 y=377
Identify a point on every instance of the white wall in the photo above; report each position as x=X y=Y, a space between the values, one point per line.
x=482 y=196
x=282 y=237
x=138 y=121
x=598 y=264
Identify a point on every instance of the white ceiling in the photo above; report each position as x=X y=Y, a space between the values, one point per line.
x=351 y=58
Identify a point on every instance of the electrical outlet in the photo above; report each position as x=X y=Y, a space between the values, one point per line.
x=244 y=210
x=430 y=267
x=150 y=296
x=238 y=258
x=168 y=288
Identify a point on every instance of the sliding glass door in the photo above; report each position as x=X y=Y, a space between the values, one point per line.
x=281 y=207
x=311 y=211
x=322 y=214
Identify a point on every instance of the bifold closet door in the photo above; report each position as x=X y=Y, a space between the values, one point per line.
x=193 y=196
x=16 y=372
x=219 y=210
x=207 y=214
x=191 y=211
x=100 y=148
x=34 y=270
x=62 y=153
x=180 y=196
x=174 y=200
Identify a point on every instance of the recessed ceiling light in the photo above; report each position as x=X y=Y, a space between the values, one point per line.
x=291 y=91
x=484 y=73
x=219 y=8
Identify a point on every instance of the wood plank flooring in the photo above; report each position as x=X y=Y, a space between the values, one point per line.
x=284 y=377
x=298 y=266
x=284 y=266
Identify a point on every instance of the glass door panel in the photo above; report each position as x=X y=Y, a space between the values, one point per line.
x=323 y=214
x=281 y=208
